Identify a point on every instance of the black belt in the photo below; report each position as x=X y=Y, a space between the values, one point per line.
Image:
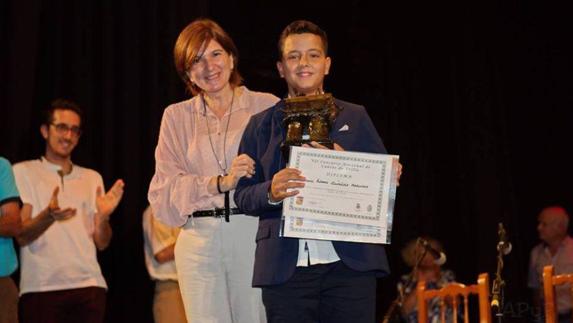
x=217 y=213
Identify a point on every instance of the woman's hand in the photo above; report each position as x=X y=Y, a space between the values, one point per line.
x=242 y=166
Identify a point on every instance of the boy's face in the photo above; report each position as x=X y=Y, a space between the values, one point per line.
x=304 y=64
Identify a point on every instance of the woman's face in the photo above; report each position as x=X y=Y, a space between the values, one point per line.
x=212 y=68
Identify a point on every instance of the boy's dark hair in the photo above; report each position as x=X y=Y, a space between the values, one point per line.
x=302 y=27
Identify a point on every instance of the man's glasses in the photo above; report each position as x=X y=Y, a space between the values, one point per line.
x=62 y=129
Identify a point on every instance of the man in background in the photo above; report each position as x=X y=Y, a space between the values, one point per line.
x=159 y=246
x=65 y=220
x=556 y=249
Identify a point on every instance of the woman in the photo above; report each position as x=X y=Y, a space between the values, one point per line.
x=429 y=270
x=197 y=168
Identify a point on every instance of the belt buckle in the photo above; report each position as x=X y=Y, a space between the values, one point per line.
x=221 y=212
x=218 y=212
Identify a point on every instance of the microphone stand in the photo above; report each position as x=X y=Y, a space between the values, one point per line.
x=497 y=289
x=398 y=301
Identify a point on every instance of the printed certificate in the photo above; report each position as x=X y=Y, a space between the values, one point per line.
x=348 y=196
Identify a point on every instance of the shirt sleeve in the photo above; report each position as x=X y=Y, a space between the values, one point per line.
x=24 y=186
x=8 y=189
x=159 y=235
x=174 y=193
x=251 y=194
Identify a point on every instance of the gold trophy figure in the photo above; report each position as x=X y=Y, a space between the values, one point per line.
x=308 y=118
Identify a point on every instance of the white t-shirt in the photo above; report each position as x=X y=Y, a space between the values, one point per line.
x=65 y=255
x=156 y=237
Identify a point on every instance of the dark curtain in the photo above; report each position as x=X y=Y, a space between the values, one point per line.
x=474 y=96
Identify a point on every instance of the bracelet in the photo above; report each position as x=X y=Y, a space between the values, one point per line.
x=270 y=201
x=219 y=184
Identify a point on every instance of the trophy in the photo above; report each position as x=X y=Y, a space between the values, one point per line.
x=308 y=118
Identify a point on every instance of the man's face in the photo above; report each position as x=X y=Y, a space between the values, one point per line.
x=304 y=64
x=550 y=227
x=62 y=134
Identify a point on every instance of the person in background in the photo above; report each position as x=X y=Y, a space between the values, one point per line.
x=65 y=220
x=10 y=226
x=556 y=249
x=306 y=280
x=159 y=249
x=196 y=171
x=429 y=270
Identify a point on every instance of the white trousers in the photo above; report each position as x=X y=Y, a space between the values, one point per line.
x=214 y=262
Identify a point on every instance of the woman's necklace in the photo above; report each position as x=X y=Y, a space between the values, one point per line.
x=224 y=159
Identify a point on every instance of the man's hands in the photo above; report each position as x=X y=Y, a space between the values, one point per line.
x=107 y=203
x=285 y=184
x=54 y=208
x=286 y=181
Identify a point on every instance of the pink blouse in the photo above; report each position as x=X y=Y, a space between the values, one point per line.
x=185 y=159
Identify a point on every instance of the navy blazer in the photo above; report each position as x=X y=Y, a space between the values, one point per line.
x=276 y=257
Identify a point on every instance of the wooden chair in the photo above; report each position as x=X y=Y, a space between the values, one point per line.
x=550 y=280
x=450 y=295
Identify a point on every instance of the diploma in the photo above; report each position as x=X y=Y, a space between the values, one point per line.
x=348 y=196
